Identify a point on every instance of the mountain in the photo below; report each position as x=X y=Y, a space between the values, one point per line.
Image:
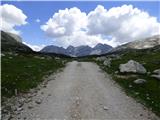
x=56 y=49
x=100 y=49
x=145 y=43
x=78 y=51
x=12 y=43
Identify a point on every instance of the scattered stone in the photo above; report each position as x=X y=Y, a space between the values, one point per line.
x=28 y=100
x=136 y=93
x=49 y=94
x=19 y=109
x=39 y=101
x=57 y=58
x=133 y=67
x=157 y=71
x=116 y=72
x=100 y=59
x=148 y=98
x=148 y=73
x=139 y=81
x=105 y=108
x=107 y=62
x=141 y=114
x=30 y=106
x=130 y=86
x=156 y=76
x=2 y=54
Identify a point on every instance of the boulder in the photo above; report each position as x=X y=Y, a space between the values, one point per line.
x=133 y=67
x=107 y=62
x=139 y=81
x=156 y=76
x=100 y=59
x=157 y=71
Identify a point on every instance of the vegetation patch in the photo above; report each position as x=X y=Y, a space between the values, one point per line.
x=20 y=72
x=147 y=93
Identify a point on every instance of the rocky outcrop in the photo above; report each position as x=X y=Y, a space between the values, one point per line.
x=132 y=67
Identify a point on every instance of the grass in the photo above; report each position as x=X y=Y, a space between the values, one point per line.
x=22 y=72
x=147 y=93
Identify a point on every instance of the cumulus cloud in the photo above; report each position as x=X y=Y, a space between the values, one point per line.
x=115 y=26
x=65 y=22
x=34 y=47
x=124 y=23
x=11 y=16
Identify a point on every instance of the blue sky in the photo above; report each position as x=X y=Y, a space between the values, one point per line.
x=32 y=34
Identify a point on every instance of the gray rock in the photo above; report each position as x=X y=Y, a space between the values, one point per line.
x=105 y=108
x=156 y=76
x=157 y=71
x=39 y=101
x=139 y=81
x=19 y=109
x=30 y=106
x=107 y=62
x=133 y=67
x=2 y=54
x=100 y=59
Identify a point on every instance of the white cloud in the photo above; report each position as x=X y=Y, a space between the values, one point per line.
x=65 y=22
x=38 y=20
x=11 y=16
x=82 y=38
x=125 y=23
x=120 y=24
x=35 y=47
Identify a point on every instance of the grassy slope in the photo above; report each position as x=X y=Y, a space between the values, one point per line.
x=23 y=72
x=148 y=93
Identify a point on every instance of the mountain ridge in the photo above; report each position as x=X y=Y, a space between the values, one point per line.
x=79 y=51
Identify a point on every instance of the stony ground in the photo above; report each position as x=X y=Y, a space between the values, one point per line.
x=81 y=91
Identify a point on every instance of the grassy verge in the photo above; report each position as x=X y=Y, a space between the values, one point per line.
x=147 y=93
x=22 y=72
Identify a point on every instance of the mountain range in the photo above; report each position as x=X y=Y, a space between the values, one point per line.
x=78 y=51
x=13 y=43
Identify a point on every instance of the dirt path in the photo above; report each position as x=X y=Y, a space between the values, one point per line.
x=83 y=91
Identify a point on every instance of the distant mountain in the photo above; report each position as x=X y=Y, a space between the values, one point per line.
x=101 y=49
x=140 y=44
x=12 y=43
x=56 y=49
x=78 y=51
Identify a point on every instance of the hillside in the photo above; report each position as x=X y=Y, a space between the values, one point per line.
x=147 y=93
x=12 y=43
x=144 y=43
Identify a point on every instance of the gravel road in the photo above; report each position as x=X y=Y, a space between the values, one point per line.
x=83 y=91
